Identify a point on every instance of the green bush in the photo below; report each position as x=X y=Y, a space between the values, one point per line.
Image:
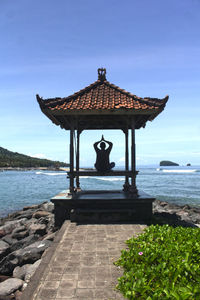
x=162 y=263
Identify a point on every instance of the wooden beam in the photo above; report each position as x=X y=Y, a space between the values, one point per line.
x=96 y=173
x=108 y=112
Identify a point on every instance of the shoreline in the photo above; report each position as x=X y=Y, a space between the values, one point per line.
x=61 y=169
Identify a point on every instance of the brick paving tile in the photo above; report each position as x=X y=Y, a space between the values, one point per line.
x=86 y=284
x=52 y=276
x=47 y=293
x=65 y=292
x=81 y=267
x=84 y=293
x=70 y=277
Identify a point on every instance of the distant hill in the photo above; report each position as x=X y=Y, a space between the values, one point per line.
x=17 y=160
x=168 y=163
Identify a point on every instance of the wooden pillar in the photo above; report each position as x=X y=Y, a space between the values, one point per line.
x=126 y=184
x=78 y=159
x=71 y=160
x=126 y=154
x=133 y=159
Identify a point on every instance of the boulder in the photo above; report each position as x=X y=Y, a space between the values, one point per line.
x=4 y=248
x=48 y=206
x=9 y=286
x=31 y=207
x=20 y=272
x=19 y=229
x=24 y=242
x=9 y=226
x=20 y=257
x=3 y=278
x=31 y=270
x=37 y=229
x=25 y=214
x=20 y=232
x=2 y=232
x=18 y=294
x=40 y=213
x=50 y=236
x=8 y=239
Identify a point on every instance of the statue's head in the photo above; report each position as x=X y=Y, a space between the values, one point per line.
x=102 y=145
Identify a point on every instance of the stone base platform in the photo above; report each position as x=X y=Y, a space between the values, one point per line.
x=102 y=207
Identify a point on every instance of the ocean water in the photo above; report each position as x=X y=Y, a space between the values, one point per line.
x=180 y=185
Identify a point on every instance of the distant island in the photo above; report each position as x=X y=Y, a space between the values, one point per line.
x=168 y=163
x=9 y=159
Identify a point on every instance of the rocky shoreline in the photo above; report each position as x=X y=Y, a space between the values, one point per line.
x=25 y=236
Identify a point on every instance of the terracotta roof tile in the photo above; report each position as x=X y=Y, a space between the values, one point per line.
x=102 y=95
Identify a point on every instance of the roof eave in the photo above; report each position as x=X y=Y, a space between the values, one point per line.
x=121 y=111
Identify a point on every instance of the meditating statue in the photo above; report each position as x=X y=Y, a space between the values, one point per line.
x=102 y=162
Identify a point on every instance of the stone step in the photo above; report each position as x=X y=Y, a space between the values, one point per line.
x=106 y=216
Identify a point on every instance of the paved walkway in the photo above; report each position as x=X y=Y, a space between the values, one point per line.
x=81 y=265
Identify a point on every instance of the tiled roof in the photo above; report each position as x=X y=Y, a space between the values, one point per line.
x=102 y=95
x=102 y=105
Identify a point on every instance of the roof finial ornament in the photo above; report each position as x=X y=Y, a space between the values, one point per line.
x=102 y=74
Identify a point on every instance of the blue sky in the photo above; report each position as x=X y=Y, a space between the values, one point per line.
x=53 y=48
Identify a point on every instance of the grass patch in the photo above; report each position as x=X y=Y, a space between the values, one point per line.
x=162 y=263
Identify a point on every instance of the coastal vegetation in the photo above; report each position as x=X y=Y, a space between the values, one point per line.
x=168 y=163
x=17 y=160
x=162 y=263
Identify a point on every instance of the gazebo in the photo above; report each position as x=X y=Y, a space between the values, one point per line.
x=101 y=105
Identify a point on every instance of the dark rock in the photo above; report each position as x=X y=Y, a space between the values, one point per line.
x=8 y=239
x=35 y=206
x=48 y=206
x=20 y=272
x=186 y=207
x=2 y=233
x=24 y=242
x=9 y=286
x=40 y=213
x=9 y=226
x=20 y=235
x=4 y=248
x=176 y=215
x=31 y=270
x=25 y=214
x=50 y=224
x=3 y=278
x=50 y=236
x=37 y=229
x=20 y=257
x=19 y=229
x=18 y=295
